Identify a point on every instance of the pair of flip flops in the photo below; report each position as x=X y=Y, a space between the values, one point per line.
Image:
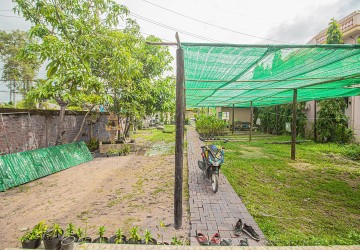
x=215 y=240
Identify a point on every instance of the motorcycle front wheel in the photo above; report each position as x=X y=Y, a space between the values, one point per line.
x=214 y=182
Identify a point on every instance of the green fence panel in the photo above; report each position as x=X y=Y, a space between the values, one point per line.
x=23 y=167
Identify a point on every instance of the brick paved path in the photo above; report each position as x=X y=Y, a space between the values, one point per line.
x=214 y=212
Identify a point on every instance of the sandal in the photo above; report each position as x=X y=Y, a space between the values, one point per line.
x=225 y=242
x=215 y=240
x=244 y=242
x=202 y=239
x=238 y=228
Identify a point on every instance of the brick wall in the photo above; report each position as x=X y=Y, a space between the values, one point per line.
x=22 y=130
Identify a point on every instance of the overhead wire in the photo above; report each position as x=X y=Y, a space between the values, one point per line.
x=173 y=28
x=214 y=25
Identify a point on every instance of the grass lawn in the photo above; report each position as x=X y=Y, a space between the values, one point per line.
x=154 y=135
x=314 y=200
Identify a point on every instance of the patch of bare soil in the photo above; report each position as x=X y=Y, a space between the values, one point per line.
x=117 y=192
x=302 y=165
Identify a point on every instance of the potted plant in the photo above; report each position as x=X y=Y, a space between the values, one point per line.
x=101 y=238
x=67 y=243
x=148 y=239
x=82 y=237
x=53 y=237
x=118 y=238
x=70 y=231
x=134 y=237
x=32 y=239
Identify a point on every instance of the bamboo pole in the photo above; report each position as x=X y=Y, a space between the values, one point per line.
x=179 y=143
x=293 y=136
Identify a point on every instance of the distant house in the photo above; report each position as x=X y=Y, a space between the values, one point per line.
x=350 y=27
x=241 y=116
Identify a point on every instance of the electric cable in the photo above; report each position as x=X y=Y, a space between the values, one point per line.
x=174 y=29
x=216 y=26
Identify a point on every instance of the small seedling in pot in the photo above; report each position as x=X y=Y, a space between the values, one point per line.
x=32 y=239
x=53 y=237
x=102 y=231
x=148 y=238
x=70 y=229
x=134 y=235
x=80 y=232
x=119 y=236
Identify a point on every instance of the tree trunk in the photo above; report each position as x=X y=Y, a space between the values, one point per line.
x=60 y=132
x=83 y=123
x=127 y=126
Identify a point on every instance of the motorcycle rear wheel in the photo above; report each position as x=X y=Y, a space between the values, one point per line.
x=214 y=182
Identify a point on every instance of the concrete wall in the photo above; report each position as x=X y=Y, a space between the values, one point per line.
x=22 y=130
x=240 y=114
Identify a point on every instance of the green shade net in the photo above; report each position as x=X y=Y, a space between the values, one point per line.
x=23 y=167
x=231 y=74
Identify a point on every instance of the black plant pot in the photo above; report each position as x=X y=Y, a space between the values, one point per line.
x=101 y=240
x=134 y=242
x=152 y=241
x=85 y=240
x=75 y=236
x=112 y=239
x=53 y=243
x=119 y=142
x=67 y=243
x=31 y=244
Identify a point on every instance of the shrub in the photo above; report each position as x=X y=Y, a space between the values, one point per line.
x=209 y=125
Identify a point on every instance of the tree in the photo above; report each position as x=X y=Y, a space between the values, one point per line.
x=333 y=33
x=90 y=61
x=69 y=36
x=18 y=72
x=332 y=124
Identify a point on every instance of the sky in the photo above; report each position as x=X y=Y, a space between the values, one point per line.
x=226 y=21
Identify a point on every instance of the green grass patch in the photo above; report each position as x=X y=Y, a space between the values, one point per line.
x=154 y=135
x=314 y=200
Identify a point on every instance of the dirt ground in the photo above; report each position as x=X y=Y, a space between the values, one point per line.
x=117 y=192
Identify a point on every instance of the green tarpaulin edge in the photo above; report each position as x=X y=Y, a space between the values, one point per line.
x=261 y=75
x=23 y=167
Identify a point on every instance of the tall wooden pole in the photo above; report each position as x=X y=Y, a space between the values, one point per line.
x=293 y=128
x=208 y=111
x=315 y=132
x=277 y=120
x=251 y=120
x=233 y=119
x=179 y=143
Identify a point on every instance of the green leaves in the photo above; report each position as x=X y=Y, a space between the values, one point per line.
x=333 y=34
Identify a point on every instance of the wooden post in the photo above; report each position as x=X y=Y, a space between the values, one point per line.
x=208 y=111
x=233 y=119
x=251 y=120
x=277 y=120
x=293 y=128
x=179 y=143
x=315 y=132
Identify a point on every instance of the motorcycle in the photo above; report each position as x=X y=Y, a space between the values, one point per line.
x=212 y=158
